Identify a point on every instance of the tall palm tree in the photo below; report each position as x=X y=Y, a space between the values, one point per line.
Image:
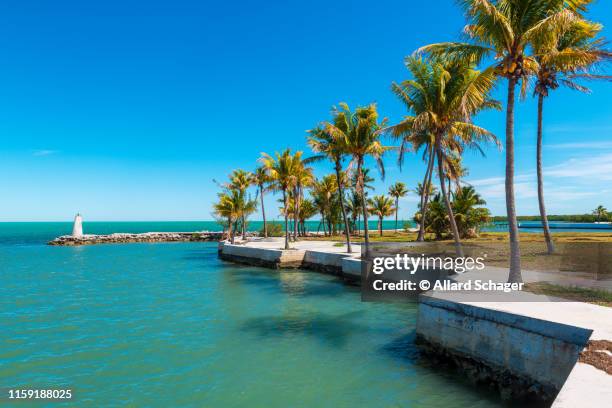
x=241 y=180
x=282 y=170
x=506 y=30
x=413 y=140
x=600 y=212
x=444 y=95
x=334 y=149
x=563 y=58
x=360 y=132
x=261 y=179
x=382 y=207
x=397 y=191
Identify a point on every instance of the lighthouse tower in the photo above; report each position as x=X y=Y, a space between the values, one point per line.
x=77 y=228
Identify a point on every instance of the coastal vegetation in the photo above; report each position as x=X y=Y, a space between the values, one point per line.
x=520 y=43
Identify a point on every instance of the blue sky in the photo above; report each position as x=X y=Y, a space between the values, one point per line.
x=127 y=110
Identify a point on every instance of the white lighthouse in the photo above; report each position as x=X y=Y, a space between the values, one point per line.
x=77 y=228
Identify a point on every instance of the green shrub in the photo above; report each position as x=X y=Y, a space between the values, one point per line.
x=275 y=229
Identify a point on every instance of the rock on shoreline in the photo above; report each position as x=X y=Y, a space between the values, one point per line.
x=69 y=240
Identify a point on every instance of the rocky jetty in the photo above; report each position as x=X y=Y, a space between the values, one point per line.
x=87 y=239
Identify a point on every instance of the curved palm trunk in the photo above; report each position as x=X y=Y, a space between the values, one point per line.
x=347 y=232
x=425 y=196
x=263 y=211
x=286 y=219
x=366 y=236
x=449 y=207
x=515 y=250
x=549 y=243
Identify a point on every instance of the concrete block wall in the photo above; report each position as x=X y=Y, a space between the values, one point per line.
x=529 y=348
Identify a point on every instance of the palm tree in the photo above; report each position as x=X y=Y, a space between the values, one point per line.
x=307 y=210
x=454 y=170
x=334 y=149
x=241 y=180
x=233 y=205
x=261 y=178
x=562 y=58
x=226 y=208
x=600 y=212
x=468 y=213
x=282 y=169
x=360 y=132
x=303 y=178
x=397 y=191
x=381 y=206
x=506 y=30
x=323 y=191
x=444 y=95
x=437 y=216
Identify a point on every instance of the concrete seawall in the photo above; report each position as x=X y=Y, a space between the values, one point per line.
x=525 y=357
x=340 y=264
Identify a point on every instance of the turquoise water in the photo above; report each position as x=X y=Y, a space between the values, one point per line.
x=171 y=325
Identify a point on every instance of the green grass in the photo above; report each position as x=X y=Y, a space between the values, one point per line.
x=594 y=296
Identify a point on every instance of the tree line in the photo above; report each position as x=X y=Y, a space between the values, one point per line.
x=536 y=45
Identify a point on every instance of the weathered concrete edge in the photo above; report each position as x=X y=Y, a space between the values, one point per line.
x=340 y=265
x=546 y=328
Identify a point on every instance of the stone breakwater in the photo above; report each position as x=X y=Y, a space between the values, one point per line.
x=69 y=240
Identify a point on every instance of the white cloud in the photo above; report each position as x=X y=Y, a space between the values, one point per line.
x=595 y=168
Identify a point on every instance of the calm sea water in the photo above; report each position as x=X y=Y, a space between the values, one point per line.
x=172 y=325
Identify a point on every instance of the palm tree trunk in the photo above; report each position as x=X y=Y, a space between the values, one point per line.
x=449 y=207
x=366 y=237
x=324 y=224
x=243 y=228
x=515 y=250
x=347 y=232
x=230 y=231
x=286 y=218
x=396 y=211
x=549 y=243
x=380 y=220
x=296 y=211
x=263 y=212
x=425 y=196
